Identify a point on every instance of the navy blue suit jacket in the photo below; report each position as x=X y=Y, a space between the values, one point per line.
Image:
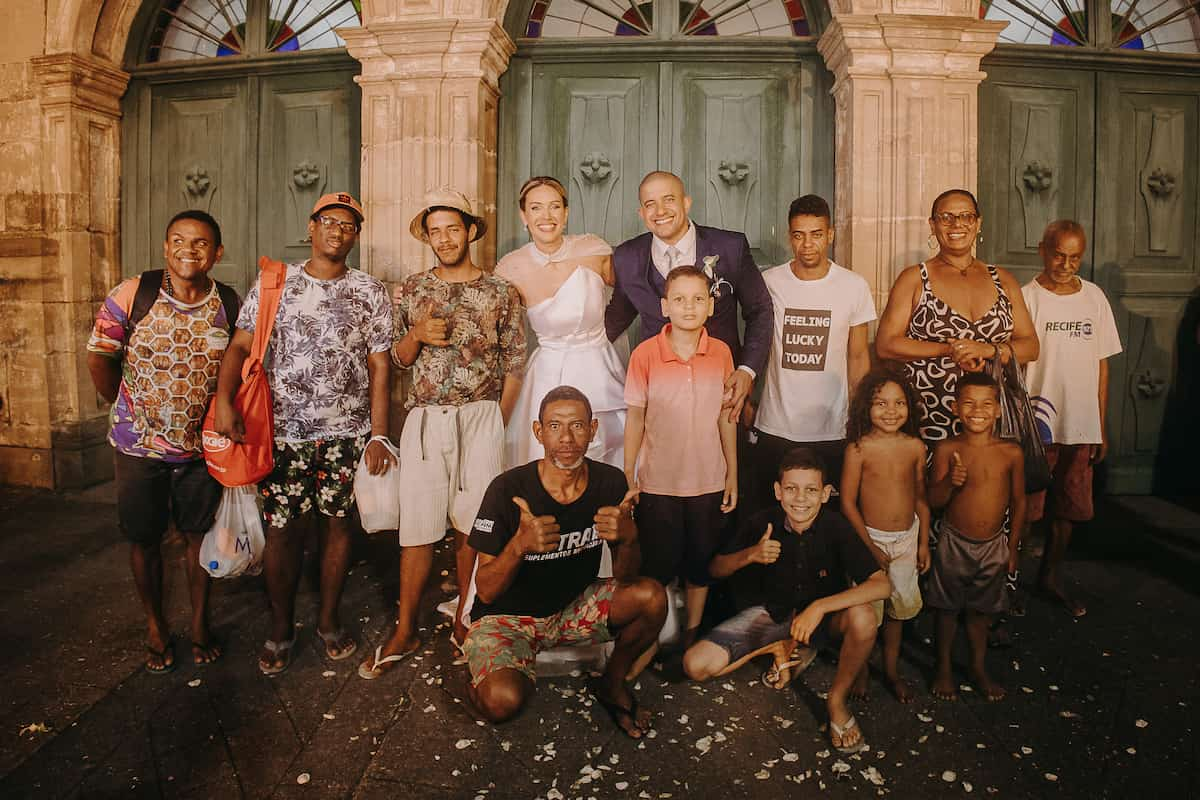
x=640 y=288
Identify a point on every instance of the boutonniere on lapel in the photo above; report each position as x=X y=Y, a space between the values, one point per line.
x=710 y=269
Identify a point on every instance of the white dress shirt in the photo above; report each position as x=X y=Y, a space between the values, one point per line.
x=685 y=252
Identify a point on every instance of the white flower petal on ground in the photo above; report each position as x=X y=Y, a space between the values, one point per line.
x=949 y=776
x=924 y=718
x=327 y=716
x=1026 y=750
x=704 y=744
x=621 y=785
x=762 y=774
x=1141 y=723
x=463 y=744
x=303 y=778
x=1050 y=776
x=968 y=788
x=791 y=757
x=840 y=767
x=1068 y=715
x=194 y=683
x=872 y=775
x=1131 y=750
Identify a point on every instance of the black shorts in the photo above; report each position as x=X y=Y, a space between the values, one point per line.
x=769 y=451
x=151 y=493
x=679 y=535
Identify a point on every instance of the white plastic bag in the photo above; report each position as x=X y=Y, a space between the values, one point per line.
x=235 y=544
x=378 y=496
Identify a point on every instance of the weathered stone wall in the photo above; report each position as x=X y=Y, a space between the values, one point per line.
x=59 y=162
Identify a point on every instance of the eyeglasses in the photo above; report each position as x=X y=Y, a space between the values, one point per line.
x=946 y=219
x=329 y=223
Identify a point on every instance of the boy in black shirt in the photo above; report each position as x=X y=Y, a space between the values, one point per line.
x=539 y=535
x=801 y=562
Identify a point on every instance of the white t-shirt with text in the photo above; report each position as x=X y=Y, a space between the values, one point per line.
x=1075 y=331
x=806 y=393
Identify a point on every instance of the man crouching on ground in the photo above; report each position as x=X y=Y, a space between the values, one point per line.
x=805 y=559
x=539 y=534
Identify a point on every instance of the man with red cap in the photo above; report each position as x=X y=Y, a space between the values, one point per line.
x=329 y=372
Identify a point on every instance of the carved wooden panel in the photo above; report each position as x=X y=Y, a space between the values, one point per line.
x=1151 y=160
x=198 y=158
x=1036 y=154
x=305 y=151
x=737 y=147
x=595 y=128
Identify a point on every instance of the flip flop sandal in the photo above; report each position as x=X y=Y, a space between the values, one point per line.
x=161 y=655
x=460 y=655
x=772 y=677
x=332 y=640
x=279 y=650
x=372 y=672
x=840 y=732
x=616 y=711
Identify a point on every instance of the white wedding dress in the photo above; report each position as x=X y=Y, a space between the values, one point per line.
x=573 y=350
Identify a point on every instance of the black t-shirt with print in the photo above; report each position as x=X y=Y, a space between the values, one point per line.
x=545 y=583
x=817 y=563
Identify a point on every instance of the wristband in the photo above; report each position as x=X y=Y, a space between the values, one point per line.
x=381 y=438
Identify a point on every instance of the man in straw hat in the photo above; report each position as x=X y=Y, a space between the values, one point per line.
x=461 y=331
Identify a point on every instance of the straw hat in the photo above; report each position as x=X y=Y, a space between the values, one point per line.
x=445 y=197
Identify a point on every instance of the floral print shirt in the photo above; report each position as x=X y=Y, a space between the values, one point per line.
x=486 y=329
x=317 y=357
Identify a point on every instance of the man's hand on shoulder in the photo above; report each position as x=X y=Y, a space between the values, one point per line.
x=535 y=534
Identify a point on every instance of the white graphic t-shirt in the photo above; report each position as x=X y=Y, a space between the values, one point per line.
x=1076 y=331
x=806 y=392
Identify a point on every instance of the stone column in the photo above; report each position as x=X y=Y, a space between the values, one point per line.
x=429 y=96
x=906 y=81
x=58 y=242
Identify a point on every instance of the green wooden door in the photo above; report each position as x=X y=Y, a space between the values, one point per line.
x=255 y=151
x=746 y=138
x=1147 y=251
x=1118 y=152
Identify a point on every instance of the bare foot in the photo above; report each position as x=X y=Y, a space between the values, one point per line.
x=205 y=650
x=622 y=707
x=989 y=688
x=1052 y=590
x=944 y=687
x=900 y=689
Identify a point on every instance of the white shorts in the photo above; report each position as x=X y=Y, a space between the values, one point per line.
x=901 y=548
x=448 y=457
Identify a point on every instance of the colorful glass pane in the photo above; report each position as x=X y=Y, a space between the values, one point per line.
x=195 y=29
x=1170 y=26
x=573 y=19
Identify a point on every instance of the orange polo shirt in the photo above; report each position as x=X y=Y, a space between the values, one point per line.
x=681 y=451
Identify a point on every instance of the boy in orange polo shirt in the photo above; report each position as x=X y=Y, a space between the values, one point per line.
x=680 y=450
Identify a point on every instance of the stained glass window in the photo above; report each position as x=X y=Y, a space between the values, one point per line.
x=193 y=29
x=574 y=19
x=1169 y=26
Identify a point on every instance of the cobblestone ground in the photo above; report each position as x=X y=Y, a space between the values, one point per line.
x=1100 y=707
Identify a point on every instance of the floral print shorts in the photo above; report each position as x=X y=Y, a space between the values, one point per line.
x=512 y=641
x=320 y=472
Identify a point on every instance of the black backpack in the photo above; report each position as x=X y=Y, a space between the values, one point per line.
x=147 y=294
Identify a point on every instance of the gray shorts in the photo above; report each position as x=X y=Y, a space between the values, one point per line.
x=968 y=573
x=753 y=629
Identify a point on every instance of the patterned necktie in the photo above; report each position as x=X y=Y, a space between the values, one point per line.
x=672 y=257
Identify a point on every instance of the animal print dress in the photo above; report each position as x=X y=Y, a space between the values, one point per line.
x=933 y=320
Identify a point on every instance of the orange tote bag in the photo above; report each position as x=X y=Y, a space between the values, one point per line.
x=249 y=461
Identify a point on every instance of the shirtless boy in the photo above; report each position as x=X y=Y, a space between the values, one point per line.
x=883 y=497
x=978 y=478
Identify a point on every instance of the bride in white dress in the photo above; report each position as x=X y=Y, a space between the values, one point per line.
x=562 y=280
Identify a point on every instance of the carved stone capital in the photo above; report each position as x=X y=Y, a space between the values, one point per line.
x=66 y=79
x=908 y=45
x=431 y=48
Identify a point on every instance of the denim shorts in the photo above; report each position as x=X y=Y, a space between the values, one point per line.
x=754 y=629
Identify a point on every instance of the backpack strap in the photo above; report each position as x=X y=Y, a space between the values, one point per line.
x=147 y=294
x=231 y=303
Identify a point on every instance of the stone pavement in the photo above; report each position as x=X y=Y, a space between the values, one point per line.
x=1100 y=707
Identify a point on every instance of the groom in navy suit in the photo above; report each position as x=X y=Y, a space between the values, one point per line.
x=642 y=263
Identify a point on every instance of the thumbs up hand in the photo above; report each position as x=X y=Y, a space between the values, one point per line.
x=615 y=523
x=535 y=534
x=766 y=550
x=958 y=470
